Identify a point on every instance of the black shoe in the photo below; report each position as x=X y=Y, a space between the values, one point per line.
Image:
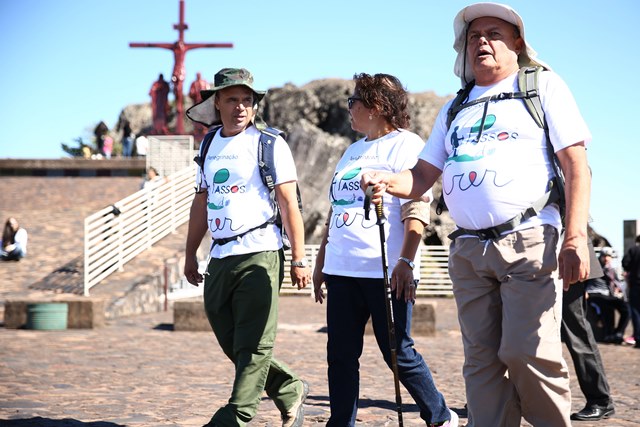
x=594 y=413
x=614 y=339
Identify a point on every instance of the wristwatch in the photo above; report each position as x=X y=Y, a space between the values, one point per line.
x=408 y=261
x=302 y=263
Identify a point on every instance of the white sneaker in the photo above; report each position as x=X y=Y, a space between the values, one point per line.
x=453 y=421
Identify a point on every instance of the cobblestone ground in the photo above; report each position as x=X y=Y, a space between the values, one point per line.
x=137 y=371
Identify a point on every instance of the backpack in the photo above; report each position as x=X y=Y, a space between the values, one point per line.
x=528 y=92
x=266 y=165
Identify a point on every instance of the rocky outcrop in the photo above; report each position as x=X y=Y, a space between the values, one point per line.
x=316 y=119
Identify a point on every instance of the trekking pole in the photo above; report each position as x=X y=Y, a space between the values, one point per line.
x=389 y=305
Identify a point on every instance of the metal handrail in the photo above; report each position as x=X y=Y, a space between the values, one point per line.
x=434 y=274
x=116 y=234
x=434 y=271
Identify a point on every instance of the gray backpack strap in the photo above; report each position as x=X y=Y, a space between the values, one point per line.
x=528 y=83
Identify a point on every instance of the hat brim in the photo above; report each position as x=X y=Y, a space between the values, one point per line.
x=205 y=111
x=462 y=67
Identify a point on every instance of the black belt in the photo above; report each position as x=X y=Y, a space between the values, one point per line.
x=496 y=231
x=225 y=240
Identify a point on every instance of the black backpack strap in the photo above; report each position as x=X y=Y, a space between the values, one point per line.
x=458 y=102
x=204 y=146
x=202 y=152
x=456 y=106
x=528 y=83
x=266 y=161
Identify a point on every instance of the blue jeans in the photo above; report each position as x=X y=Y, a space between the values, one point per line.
x=350 y=303
x=15 y=255
x=127 y=146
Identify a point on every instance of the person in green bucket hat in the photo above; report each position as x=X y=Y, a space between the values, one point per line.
x=246 y=267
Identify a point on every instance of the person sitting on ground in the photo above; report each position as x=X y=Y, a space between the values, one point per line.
x=152 y=177
x=608 y=293
x=14 y=241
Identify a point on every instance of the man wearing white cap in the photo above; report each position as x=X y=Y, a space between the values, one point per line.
x=507 y=272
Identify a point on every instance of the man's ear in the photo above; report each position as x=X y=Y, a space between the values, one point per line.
x=519 y=45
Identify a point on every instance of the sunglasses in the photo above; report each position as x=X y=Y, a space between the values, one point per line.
x=351 y=100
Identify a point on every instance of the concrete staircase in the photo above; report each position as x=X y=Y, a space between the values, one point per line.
x=52 y=209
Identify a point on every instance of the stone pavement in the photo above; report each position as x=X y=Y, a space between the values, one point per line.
x=137 y=371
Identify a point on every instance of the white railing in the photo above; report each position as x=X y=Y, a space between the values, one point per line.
x=434 y=271
x=434 y=274
x=116 y=234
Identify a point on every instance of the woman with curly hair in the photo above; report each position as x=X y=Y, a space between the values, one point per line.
x=348 y=262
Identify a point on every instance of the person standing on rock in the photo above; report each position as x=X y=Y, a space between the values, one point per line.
x=246 y=269
x=159 y=94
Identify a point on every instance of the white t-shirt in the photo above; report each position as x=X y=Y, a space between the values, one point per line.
x=353 y=246
x=488 y=182
x=142 y=145
x=21 y=239
x=237 y=199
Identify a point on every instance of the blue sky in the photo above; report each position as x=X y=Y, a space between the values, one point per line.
x=66 y=64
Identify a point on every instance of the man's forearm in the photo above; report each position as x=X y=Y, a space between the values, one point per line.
x=197 y=225
x=577 y=192
x=413 y=183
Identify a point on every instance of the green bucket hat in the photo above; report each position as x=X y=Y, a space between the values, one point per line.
x=205 y=112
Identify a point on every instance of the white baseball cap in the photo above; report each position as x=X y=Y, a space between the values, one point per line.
x=462 y=68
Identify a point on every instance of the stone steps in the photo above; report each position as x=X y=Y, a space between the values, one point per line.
x=52 y=210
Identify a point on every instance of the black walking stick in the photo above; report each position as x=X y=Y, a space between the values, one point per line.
x=387 y=286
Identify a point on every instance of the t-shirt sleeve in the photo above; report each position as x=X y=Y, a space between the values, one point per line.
x=566 y=125
x=411 y=149
x=284 y=164
x=434 y=151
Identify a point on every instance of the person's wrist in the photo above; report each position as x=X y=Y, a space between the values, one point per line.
x=302 y=262
x=407 y=261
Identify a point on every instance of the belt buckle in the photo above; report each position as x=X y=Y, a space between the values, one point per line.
x=488 y=234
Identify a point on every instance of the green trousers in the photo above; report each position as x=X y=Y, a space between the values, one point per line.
x=241 y=301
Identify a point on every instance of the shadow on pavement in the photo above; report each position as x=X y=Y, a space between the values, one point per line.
x=48 y=422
